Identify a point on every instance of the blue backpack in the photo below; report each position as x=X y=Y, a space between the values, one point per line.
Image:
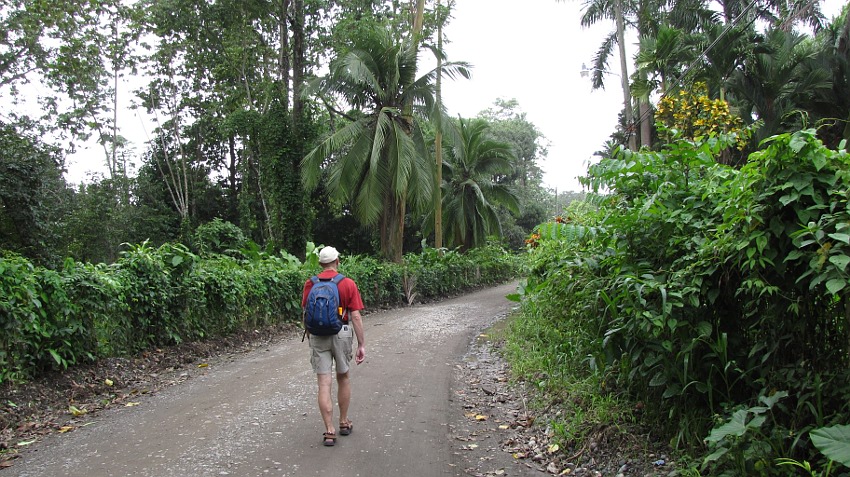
x=323 y=313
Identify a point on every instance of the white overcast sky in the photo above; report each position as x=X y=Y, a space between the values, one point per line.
x=532 y=51
x=528 y=50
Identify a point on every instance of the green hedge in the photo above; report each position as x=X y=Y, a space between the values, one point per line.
x=717 y=296
x=152 y=297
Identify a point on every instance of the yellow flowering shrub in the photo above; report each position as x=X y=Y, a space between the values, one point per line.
x=695 y=115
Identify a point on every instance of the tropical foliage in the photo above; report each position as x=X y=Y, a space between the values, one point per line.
x=703 y=290
x=385 y=167
x=238 y=107
x=473 y=169
x=752 y=55
x=158 y=296
x=693 y=115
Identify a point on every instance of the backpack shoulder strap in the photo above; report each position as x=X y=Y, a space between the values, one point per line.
x=338 y=278
x=314 y=279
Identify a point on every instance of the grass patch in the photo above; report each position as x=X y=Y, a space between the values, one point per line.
x=574 y=400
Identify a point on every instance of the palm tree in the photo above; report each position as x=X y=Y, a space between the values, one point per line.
x=777 y=81
x=470 y=191
x=833 y=43
x=378 y=161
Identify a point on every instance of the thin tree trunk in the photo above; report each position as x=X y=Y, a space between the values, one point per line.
x=418 y=20
x=255 y=161
x=624 y=76
x=114 y=167
x=438 y=143
x=232 y=170
x=645 y=124
x=284 y=63
x=298 y=66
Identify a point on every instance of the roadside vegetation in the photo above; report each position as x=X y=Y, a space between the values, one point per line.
x=173 y=294
x=706 y=303
x=697 y=290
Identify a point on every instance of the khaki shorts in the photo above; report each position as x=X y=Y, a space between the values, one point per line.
x=327 y=350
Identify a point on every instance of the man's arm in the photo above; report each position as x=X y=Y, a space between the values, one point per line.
x=357 y=322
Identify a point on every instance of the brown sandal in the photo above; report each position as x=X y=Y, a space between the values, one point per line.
x=329 y=439
x=345 y=428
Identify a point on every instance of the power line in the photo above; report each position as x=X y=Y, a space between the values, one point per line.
x=680 y=81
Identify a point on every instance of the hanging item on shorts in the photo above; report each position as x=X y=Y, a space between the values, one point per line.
x=323 y=314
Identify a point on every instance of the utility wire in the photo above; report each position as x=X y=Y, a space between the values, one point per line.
x=680 y=80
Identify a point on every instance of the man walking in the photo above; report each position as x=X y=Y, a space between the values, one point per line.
x=327 y=351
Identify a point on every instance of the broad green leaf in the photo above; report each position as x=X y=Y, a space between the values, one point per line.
x=788 y=198
x=672 y=390
x=797 y=143
x=770 y=401
x=819 y=160
x=715 y=455
x=176 y=260
x=802 y=182
x=735 y=426
x=840 y=261
x=833 y=442
x=845 y=238
x=793 y=255
x=836 y=285
x=658 y=380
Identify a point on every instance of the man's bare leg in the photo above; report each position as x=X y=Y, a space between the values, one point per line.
x=343 y=396
x=325 y=403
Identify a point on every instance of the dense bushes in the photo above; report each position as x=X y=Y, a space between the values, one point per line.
x=716 y=296
x=159 y=296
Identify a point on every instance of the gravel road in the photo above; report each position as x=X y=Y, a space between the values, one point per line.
x=256 y=414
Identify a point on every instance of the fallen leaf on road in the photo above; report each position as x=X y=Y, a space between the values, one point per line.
x=109 y=382
x=26 y=443
x=203 y=365
x=77 y=412
x=131 y=404
x=481 y=417
x=553 y=448
x=65 y=429
x=504 y=426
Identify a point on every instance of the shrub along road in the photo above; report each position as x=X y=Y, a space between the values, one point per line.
x=256 y=415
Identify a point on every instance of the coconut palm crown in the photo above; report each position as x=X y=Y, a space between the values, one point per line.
x=471 y=191
x=378 y=161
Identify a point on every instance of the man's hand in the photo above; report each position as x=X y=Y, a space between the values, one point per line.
x=361 y=354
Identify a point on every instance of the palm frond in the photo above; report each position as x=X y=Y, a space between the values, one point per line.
x=360 y=67
x=312 y=162
x=600 y=60
x=404 y=159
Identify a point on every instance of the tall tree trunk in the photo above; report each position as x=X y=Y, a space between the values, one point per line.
x=438 y=142
x=418 y=20
x=624 y=76
x=284 y=63
x=391 y=224
x=298 y=66
x=645 y=124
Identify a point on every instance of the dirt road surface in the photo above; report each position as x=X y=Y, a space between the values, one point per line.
x=256 y=414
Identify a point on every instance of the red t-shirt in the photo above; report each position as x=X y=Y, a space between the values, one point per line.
x=349 y=295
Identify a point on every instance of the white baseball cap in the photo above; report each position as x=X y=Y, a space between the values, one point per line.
x=328 y=255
